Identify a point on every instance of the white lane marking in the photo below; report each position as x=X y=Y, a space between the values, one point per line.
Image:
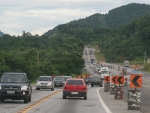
x=102 y=102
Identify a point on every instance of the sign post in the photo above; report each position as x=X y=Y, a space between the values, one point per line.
x=112 y=86
x=107 y=83
x=119 y=87
x=134 y=96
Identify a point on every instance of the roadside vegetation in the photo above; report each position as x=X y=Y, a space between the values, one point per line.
x=99 y=57
x=59 y=51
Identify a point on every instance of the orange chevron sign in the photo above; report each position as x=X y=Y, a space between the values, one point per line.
x=107 y=78
x=113 y=79
x=135 y=81
x=120 y=80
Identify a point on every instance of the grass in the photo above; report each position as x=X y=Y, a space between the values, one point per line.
x=33 y=83
x=98 y=55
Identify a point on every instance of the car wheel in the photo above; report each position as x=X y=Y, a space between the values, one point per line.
x=52 y=89
x=101 y=85
x=26 y=99
x=37 y=88
x=91 y=85
x=85 y=97
x=30 y=98
x=2 y=100
x=64 y=97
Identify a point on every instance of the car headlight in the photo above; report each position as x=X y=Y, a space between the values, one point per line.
x=38 y=83
x=0 y=87
x=49 y=83
x=24 y=88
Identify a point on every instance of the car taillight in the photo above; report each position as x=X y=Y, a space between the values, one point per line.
x=84 y=87
x=65 y=87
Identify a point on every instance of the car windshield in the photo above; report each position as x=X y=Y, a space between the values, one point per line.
x=67 y=78
x=74 y=82
x=45 y=79
x=105 y=72
x=96 y=78
x=59 y=78
x=90 y=78
x=13 y=78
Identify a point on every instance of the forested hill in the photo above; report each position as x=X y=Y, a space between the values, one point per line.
x=116 y=17
x=118 y=43
x=1 y=33
x=125 y=14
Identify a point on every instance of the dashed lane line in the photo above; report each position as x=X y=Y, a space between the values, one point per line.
x=28 y=108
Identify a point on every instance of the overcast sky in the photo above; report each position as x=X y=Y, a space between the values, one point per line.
x=39 y=16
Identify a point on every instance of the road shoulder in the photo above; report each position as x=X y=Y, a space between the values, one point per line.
x=115 y=106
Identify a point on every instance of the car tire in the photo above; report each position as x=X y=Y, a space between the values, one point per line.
x=91 y=85
x=64 y=97
x=30 y=98
x=26 y=99
x=2 y=100
x=52 y=89
x=85 y=97
x=37 y=88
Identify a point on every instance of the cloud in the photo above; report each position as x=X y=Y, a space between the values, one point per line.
x=38 y=16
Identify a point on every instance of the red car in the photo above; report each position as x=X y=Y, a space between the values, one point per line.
x=75 y=87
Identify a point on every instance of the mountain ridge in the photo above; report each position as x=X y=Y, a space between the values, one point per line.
x=119 y=16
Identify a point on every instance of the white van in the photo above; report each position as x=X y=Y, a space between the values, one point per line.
x=104 y=72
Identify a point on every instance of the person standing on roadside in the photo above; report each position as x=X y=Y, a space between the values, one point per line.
x=125 y=70
x=118 y=67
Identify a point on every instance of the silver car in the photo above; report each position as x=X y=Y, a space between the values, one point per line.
x=45 y=82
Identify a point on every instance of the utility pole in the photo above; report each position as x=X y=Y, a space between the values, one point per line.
x=144 y=57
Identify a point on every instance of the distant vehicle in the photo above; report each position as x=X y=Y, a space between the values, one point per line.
x=45 y=82
x=104 y=71
x=66 y=77
x=90 y=51
x=126 y=63
x=75 y=87
x=135 y=71
x=15 y=86
x=88 y=80
x=59 y=81
x=97 y=70
x=96 y=81
x=92 y=60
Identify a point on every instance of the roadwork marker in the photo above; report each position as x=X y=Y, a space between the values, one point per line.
x=135 y=81
x=107 y=78
x=119 y=79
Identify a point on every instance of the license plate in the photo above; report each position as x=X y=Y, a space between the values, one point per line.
x=57 y=84
x=10 y=92
x=74 y=92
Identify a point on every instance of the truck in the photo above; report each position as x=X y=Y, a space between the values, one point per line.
x=126 y=63
x=104 y=71
x=90 y=51
x=92 y=60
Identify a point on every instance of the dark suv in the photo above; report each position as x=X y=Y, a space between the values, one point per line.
x=96 y=81
x=15 y=86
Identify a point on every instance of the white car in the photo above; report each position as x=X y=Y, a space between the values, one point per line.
x=45 y=82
